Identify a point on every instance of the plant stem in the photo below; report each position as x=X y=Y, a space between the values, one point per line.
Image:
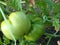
x=55 y=32
x=15 y=42
x=21 y=5
x=52 y=36
x=8 y=25
x=49 y=40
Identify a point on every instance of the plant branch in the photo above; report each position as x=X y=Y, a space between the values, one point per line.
x=53 y=35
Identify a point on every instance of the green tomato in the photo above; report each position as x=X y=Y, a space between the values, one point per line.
x=37 y=31
x=19 y=23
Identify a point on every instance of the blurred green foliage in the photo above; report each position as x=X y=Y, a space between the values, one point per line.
x=42 y=8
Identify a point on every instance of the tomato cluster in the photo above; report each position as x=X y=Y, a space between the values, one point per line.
x=20 y=25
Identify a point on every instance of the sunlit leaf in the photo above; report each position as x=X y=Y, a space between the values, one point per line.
x=56 y=24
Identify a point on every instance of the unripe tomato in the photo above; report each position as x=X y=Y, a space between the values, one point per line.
x=38 y=29
x=19 y=23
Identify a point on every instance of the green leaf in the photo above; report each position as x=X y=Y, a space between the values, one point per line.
x=15 y=4
x=56 y=23
x=50 y=3
x=1 y=18
x=6 y=41
x=1 y=41
x=57 y=8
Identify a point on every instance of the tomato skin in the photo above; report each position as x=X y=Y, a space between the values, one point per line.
x=19 y=23
x=36 y=33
